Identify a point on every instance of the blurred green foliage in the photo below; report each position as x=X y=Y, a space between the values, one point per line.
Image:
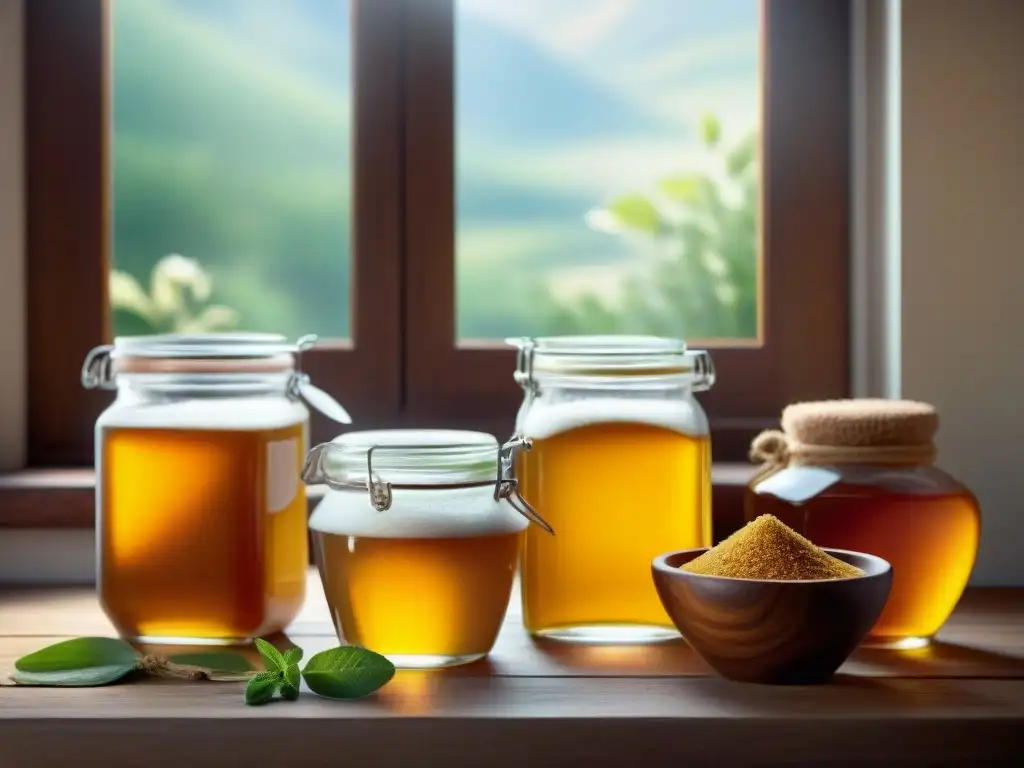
x=700 y=230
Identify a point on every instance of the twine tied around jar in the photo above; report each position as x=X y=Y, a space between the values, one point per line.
x=830 y=432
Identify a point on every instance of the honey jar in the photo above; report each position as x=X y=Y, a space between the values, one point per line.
x=619 y=465
x=416 y=541
x=860 y=475
x=200 y=515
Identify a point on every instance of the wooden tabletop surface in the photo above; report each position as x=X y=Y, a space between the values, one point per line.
x=960 y=702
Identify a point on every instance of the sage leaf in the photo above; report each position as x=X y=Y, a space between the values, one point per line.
x=271 y=656
x=217 y=661
x=216 y=676
x=262 y=686
x=293 y=655
x=78 y=654
x=348 y=672
x=75 y=678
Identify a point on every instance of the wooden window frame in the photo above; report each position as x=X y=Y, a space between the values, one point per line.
x=404 y=368
x=805 y=235
x=67 y=76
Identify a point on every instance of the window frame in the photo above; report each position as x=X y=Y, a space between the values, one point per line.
x=67 y=184
x=805 y=235
x=404 y=368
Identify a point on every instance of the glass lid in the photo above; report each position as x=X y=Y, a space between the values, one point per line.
x=207 y=345
x=407 y=457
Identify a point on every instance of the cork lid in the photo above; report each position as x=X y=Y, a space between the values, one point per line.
x=861 y=423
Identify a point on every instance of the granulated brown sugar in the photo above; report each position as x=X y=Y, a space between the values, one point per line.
x=766 y=548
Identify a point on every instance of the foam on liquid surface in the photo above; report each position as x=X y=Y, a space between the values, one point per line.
x=545 y=419
x=241 y=413
x=418 y=514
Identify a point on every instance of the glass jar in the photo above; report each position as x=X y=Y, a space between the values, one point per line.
x=200 y=516
x=620 y=466
x=859 y=475
x=416 y=541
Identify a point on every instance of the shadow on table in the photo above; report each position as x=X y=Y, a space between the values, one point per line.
x=940 y=659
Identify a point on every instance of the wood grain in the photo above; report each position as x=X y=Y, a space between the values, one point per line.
x=536 y=705
x=779 y=632
x=983 y=639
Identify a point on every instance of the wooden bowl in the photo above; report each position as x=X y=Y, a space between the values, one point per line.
x=780 y=632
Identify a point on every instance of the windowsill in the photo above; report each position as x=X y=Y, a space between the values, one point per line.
x=64 y=498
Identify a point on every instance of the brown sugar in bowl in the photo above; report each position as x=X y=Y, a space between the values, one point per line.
x=777 y=632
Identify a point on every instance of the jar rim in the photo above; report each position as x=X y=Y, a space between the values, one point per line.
x=611 y=357
x=235 y=345
x=424 y=457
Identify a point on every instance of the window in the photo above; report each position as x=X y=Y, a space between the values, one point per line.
x=414 y=180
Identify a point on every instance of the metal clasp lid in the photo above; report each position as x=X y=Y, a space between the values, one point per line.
x=381 y=493
x=98 y=370
x=300 y=386
x=507 y=485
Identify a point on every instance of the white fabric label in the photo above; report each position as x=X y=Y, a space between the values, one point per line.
x=798 y=484
x=282 y=473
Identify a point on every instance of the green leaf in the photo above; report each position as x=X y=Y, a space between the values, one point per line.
x=289 y=692
x=220 y=661
x=75 y=678
x=79 y=654
x=685 y=189
x=262 y=686
x=634 y=212
x=293 y=655
x=271 y=656
x=291 y=676
x=741 y=157
x=347 y=672
x=710 y=130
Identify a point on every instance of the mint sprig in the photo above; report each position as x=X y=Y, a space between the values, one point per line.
x=346 y=672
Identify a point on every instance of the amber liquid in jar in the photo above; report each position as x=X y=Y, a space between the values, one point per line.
x=427 y=600
x=930 y=540
x=617 y=494
x=202 y=533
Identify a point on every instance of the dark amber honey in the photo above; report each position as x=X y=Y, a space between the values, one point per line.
x=930 y=538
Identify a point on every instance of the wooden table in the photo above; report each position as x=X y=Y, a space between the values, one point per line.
x=960 y=702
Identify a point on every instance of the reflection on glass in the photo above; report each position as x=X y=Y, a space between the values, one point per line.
x=607 y=173
x=231 y=124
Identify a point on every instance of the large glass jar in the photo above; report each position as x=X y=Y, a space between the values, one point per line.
x=416 y=541
x=619 y=465
x=859 y=475
x=200 y=515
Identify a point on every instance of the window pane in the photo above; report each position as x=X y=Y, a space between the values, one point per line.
x=607 y=174
x=231 y=123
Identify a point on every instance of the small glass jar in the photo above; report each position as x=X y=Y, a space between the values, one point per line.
x=200 y=515
x=416 y=541
x=620 y=466
x=859 y=475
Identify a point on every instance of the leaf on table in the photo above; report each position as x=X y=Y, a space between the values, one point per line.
x=75 y=678
x=215 y=661
x=217 y=676
x=80 y=653
x=262 y=686
x=272 y=657
x=293 y=655
x=347 y=672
